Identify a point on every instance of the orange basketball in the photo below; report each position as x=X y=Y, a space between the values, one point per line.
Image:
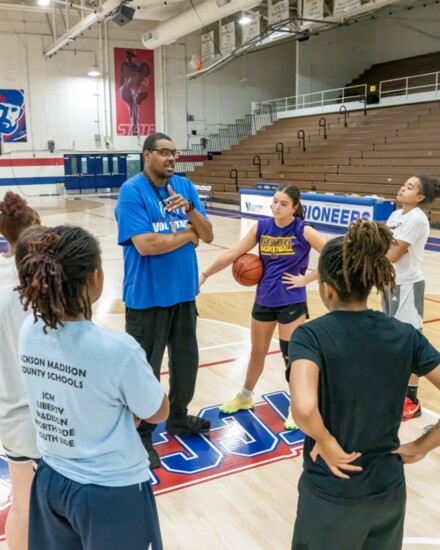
x=248 y=269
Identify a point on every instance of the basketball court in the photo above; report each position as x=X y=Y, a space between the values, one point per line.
x=236 y=488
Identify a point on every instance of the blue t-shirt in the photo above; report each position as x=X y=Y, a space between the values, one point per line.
x=281 y=249
x=84 y=384
x=163 y=279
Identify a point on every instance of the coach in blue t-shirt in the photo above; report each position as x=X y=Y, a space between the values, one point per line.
x=160 y=221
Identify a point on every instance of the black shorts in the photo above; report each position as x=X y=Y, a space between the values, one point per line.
x=17 y=458
x=283 y=314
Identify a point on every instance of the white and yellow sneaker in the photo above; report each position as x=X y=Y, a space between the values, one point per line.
x=237 y=404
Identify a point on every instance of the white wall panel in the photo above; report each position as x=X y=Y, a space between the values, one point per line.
x=334 y=58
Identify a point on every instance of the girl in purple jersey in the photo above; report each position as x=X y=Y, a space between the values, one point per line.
x=284 y=243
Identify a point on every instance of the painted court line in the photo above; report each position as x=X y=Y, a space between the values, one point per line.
x=217 y=346
x=222 y=362
x=232 y=360
x=431 y=321
x=418 y=540
x=432 y=300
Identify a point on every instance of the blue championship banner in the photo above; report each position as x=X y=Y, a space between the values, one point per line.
x=333 y=211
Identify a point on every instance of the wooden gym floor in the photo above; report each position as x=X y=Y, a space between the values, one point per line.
x=247 y=503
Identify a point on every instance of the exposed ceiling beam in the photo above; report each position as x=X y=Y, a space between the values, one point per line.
x=106 y=11
x=193 y=19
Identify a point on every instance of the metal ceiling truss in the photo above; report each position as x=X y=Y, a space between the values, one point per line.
x=93 y=12
x=299 y=28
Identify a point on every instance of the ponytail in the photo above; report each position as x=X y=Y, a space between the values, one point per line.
x=299 y=212
x=430 y=187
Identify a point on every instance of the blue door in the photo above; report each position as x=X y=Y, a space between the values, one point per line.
x=87 y=173
x=119 y=170
x=103 y=171
x=71 y=174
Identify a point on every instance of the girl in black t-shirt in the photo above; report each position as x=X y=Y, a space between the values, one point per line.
x=352 y=491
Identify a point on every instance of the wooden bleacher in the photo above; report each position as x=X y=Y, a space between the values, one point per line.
x=401 y=68
x=373 y=155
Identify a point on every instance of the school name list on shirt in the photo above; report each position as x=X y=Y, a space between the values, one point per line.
x=53 y=425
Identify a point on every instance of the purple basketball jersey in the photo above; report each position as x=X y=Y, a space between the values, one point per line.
x=282 y=249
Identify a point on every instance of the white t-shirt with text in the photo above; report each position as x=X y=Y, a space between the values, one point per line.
x=412 y=228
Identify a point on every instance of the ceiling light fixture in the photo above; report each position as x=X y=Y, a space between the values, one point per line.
x=245 y=19
x=94 y=71
x=43 y=3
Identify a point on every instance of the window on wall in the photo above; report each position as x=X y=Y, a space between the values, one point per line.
x=133 y=165
x=115 y=165
x=84 y=169
x=105 y=165
x=74 y=166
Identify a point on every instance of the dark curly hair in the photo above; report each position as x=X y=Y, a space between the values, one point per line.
x=353 y=264
x=53 y=269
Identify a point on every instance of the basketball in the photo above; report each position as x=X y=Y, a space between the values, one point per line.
x=248 y=269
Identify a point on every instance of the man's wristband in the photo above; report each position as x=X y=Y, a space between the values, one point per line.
x=204 y=275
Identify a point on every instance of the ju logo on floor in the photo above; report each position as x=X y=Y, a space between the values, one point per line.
x=235 y=443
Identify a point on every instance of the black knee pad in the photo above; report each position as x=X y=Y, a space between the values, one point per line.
x=284 y=347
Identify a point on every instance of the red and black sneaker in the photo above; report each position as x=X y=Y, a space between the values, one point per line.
x=411 y=409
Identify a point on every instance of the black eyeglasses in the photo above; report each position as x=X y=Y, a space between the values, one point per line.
x=166 y=153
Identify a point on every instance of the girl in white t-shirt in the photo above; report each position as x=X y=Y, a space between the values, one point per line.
x=410 y=227
x=17 y=433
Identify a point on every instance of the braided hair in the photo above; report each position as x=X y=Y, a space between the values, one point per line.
x=15 y=216
x=353 y=264
x=53 y=270
x=294 y=194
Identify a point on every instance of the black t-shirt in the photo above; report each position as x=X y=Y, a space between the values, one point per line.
x=365 y=359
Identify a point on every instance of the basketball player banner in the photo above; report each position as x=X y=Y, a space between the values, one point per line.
x=235 y=443
x=12 y=116
x=135 y=100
